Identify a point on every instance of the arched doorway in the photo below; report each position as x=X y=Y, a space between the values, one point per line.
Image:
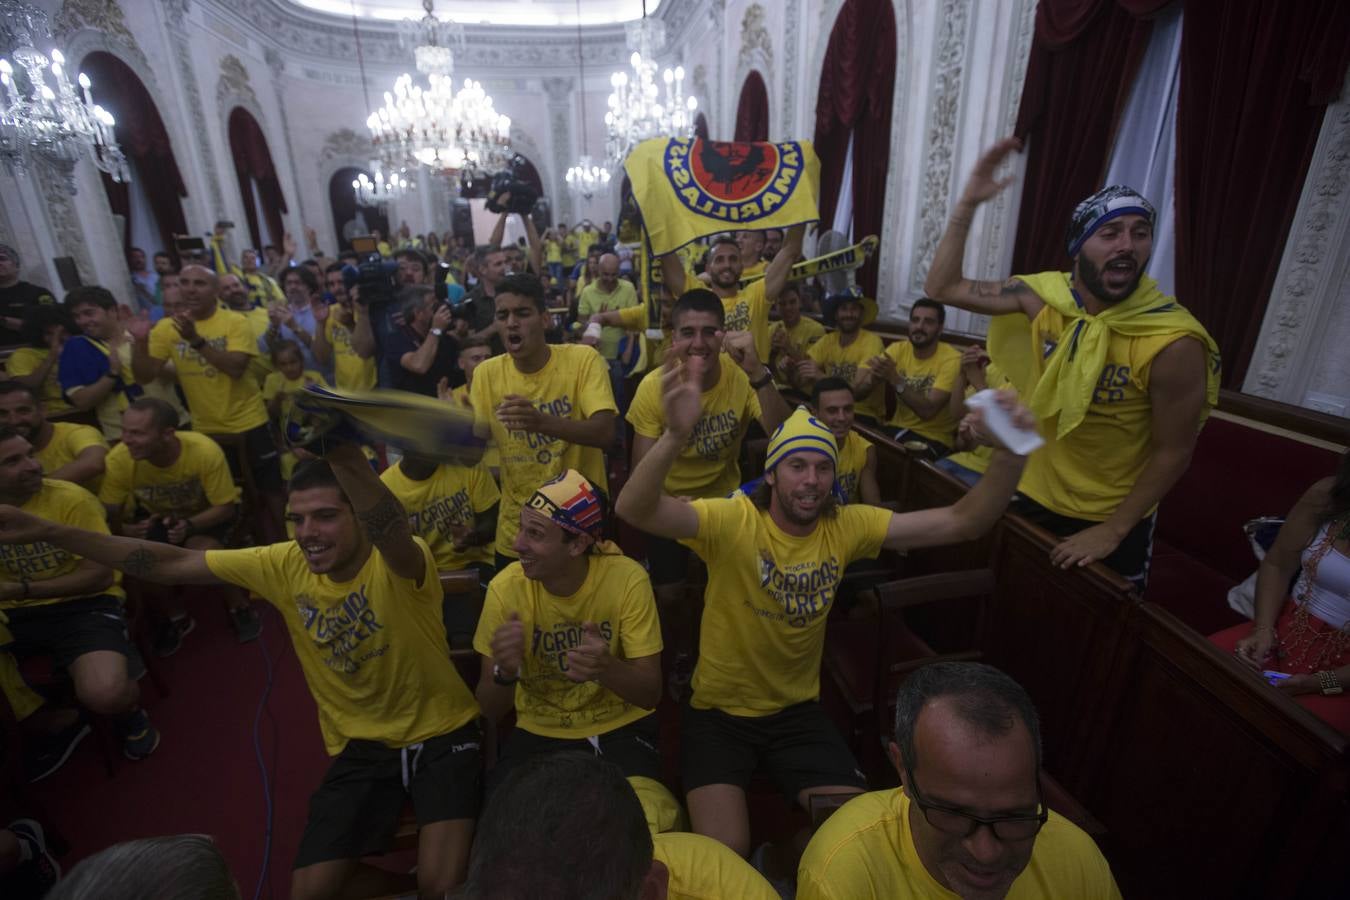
x=752 y=110
x=258 y=185
x=350 y=219
x=853 y=120
x=151 y=203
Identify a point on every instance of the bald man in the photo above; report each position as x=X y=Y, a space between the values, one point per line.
x=609 y=292
x=211 y=349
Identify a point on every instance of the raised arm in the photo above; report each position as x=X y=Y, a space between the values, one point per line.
x=144 y=367
x=536 y=245
x=147 y=560
x=378 y=510
x=945 y=281
x=672 y=274
x=319 y=345
x=643 y=501
x=499 y=230
x=773 y=409
x=977 y=510
x=776 y=273
x=363 y=339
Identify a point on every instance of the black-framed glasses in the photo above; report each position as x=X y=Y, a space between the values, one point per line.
x=959 y=823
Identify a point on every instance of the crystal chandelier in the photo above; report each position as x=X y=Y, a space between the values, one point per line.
x=437 y=126
x=375 y=191
x=51 y=122
x=585 y=179
x=639 y=109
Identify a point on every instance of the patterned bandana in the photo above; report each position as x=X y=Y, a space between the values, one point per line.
x=1102 y=207
x=572 y=502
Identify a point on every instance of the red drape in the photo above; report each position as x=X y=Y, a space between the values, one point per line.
x=856 y=84
x=1083 y=60
x=141 y=133
x=752 y=111
x=253 y=165
x=701 y=127
x=1255 y=81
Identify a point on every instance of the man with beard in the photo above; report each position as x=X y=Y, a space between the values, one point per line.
x=236 y=297
x=793 y=334
x=747 y=310
x=344 y=338
x=1121 y=376
x=844 y=353
x=361 y=600
x=776 y=552
x=978 y=827
x=922 y=371
x=68 y=451
x=773 y=242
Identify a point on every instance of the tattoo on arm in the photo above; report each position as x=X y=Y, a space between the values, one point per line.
x=384 y=520
x=998 y=288
x=139 y=563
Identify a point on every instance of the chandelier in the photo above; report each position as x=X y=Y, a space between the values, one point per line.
x=375 y=191
x=50 y=122
x=437 y=126
x=639 y=108
x=585 y=179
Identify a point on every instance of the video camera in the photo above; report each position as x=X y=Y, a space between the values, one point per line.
x=376 y=276
x=509 y=181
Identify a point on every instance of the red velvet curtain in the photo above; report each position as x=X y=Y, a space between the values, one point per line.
x=253 y=164
x=1255 y=81
x=752 y=111
x=1084 y=57
x=141 y=133
x=856 y=84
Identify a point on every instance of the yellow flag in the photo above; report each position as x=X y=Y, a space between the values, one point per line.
x=688 y=188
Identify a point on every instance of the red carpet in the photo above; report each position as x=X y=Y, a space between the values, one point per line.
x=204 y=777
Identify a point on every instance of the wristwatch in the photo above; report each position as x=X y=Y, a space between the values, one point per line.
x=1331 y=685
x=764 y=381
x=437 y=331
x=500 y=677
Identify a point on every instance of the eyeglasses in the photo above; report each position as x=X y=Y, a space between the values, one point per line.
x=962 y=824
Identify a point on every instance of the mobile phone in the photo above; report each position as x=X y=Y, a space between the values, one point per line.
x=224 y=224
x=187 y=244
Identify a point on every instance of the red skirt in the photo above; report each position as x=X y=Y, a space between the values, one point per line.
x=1335 y=711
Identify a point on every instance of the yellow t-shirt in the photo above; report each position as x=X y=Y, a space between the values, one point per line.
x=617 y=597
x=491 y=458
x=852 y=460
x=372 y=649
x=552 y=252
x=68 y=441
x=69 y=504
x=835 y=361
x=865 y=851
x=754 y=269
x=705 y=869
x=589 y=303
x=219 y=404
x=278 y=383
x=259 y=366
x=585 y=240
x=1087 y=473
x=452 y=495
x=350 y=371
x=749 y=311
x=197 y=480
x=768 y=594
x=707 y=466
x=26 y=361
x=569 y=250
x=938 y=372
x=573 y=384
x=634 y=318
x=977 y=460
x=802 y=335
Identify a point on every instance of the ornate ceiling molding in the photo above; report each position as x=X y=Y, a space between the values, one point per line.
x=1313 y=267
x=99 y=15
x=234 y=88
x=756 y=44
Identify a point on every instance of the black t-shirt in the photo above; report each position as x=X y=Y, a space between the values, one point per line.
x=405 y=340
x=16 y=301
x=480 y=311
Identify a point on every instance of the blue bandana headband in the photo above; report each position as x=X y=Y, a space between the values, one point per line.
x=1107 y=204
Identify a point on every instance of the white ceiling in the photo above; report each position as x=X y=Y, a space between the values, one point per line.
x=491 y=12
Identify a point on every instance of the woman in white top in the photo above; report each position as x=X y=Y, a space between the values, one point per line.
x=1305 y=633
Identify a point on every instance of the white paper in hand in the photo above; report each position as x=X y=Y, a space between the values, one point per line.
x=1019 y=440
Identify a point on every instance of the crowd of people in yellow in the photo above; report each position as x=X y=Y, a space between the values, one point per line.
x=188 y=480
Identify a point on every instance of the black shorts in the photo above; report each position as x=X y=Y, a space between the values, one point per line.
x=632 y=747
x=67 y=630
x=667 y=560
x=356 y=809
x=798 y=748
x=264 y=458
x=1132 y=556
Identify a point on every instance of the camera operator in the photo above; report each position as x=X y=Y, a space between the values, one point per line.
x=422 y=351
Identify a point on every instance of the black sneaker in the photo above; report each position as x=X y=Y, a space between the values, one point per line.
x=139 y=737
x=55 y=749
x=247 y=623
x=169 y=635
x=41 y=871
